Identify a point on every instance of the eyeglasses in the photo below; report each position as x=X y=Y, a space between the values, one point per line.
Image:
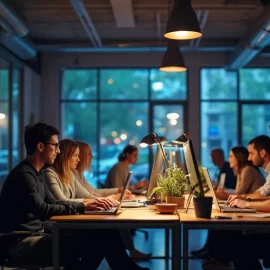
x=56 y=145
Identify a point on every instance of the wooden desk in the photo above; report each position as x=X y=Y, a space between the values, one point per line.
x=145 y=217
x=239 y=221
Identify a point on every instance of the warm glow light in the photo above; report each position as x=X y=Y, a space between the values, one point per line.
x=132 y=142
x=117 y=140
x=2 y=116
x=123 y=136
x=173 y=69
x=110 y=81
x=173 y=122
x=135 y=85
x=172 y=116
x=183 y=35
x=114 y=133
x=139 y=123
x=143 y=145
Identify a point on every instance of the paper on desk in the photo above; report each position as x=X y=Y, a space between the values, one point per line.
x=264 y=215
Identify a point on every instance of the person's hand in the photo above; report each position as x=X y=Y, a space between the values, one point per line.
x=142 y=184
x=127 y=193
x=87 y=201
x=234 y=197
x=222 y=194
x=239 y=203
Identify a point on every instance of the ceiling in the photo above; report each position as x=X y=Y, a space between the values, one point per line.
x=90 y=25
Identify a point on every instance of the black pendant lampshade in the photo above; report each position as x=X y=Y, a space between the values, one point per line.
x=173 y=60
x=183 y=22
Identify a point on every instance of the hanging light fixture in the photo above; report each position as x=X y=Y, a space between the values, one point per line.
x=173 y=60
x=183 y=22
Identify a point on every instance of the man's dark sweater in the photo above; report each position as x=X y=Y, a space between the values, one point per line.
x=26 y=203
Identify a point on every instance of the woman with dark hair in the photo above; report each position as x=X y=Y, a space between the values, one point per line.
x=249 y=178
x=118 y=173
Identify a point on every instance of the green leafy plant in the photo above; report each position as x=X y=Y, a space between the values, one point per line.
x=197 y=192
x=174 y=182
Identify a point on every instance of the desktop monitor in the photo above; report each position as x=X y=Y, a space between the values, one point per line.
x=158 y=168
x=192 y=166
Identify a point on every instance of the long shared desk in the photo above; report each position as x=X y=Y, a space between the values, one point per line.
x=147 y=217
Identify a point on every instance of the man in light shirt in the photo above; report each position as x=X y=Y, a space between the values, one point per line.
x=247 y=249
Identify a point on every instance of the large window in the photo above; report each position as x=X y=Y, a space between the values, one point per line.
x=235 y=107
x=9 y=120
x=110 y=108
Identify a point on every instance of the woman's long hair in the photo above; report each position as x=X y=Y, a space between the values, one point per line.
x=241 y=154
x=128 y=149
x=61 y=164
x=85 y=151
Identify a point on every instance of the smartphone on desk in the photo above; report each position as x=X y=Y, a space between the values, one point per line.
x=223 y=217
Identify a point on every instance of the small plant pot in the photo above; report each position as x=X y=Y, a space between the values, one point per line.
x=180 y=201
x=203 y=207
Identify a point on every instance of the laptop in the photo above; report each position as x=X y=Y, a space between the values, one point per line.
x=112 y=210
x=224 y=208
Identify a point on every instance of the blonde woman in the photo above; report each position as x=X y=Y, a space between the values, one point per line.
x=85 y=164
x=62 y=182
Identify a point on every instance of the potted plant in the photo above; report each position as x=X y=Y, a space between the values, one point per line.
x=202 y=203
x=173 y=184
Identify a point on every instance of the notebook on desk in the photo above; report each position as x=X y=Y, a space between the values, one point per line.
x=224 y=208
x=112 y=210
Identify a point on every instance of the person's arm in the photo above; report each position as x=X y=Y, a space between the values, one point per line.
x=80 y=191
x=53 y=183
x=265 y=189
x=262 y=205
x=29 y=194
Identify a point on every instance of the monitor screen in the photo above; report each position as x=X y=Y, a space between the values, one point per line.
x=158 y=168
x=191 y=164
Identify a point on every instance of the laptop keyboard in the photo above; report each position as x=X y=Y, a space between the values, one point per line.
x=236 y=210
x=113 y=209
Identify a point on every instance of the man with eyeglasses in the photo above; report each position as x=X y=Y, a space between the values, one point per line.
x=26 y=206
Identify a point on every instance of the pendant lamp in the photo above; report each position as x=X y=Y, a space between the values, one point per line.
x=173 y=60
x=183 y=22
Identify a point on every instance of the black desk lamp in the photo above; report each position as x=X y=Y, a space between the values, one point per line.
x=152 y=139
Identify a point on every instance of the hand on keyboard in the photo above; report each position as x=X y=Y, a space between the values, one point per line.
x=238 y=203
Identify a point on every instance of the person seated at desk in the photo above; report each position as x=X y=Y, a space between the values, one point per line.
x=249 y=179
x=26 y=205
x=85 y=156
x=62 y=182
x=118 y=173
x=247 y=248
x=116 y=178
x=218 y=159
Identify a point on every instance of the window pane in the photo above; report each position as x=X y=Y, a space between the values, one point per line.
x=168 y=85
x=15 y=118
x=217 y=83
x=80 y=123
x=218 y=129
x=79 y=84
x=3 y=84
x=3 y=141
x=122 y=124
x=255 y=121
x=124 y=84
x=164 y=126
x=255 y=83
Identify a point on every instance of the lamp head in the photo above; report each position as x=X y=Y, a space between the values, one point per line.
x=183 y=22
x=180 y=140
x=150 y=139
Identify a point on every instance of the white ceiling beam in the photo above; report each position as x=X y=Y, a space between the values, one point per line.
x=123 y=13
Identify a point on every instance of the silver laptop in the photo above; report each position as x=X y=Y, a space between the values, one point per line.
x=223 y=207
x=112 y=210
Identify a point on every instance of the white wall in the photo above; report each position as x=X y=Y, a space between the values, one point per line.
x=53 y=62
